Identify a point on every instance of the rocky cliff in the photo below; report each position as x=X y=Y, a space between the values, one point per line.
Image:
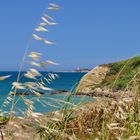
x=116 y=77
x=92 y=79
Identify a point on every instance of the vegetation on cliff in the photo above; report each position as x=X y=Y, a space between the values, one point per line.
x=121 y=73
x=115 y=76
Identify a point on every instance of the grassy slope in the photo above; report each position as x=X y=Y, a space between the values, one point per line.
x=121 y=73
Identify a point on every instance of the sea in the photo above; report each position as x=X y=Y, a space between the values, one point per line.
x=47 y=102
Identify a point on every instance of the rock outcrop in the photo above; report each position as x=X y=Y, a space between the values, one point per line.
x=93 y=78
x=59 y=91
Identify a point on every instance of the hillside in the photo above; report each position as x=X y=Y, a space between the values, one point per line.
x=115 y=76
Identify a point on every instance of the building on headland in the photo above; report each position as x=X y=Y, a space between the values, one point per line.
x=82 y=70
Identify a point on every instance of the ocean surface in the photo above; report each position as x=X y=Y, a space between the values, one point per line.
x=47 y=102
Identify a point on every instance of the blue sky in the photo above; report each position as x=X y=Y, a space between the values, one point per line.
x=90 y=32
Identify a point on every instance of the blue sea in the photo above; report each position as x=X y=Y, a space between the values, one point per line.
x=47 y=102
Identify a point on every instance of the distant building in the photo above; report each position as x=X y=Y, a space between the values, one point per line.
x=82 y=70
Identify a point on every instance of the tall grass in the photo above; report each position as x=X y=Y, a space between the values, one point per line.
x=105 y=119
x=36 y=81
x=108 y=120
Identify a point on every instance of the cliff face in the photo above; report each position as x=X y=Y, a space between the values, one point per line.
x=115 y=76
x=92 y=79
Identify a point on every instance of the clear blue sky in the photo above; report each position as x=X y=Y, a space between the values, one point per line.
x=90 y=32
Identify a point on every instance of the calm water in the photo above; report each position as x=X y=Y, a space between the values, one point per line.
x=47 y=102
